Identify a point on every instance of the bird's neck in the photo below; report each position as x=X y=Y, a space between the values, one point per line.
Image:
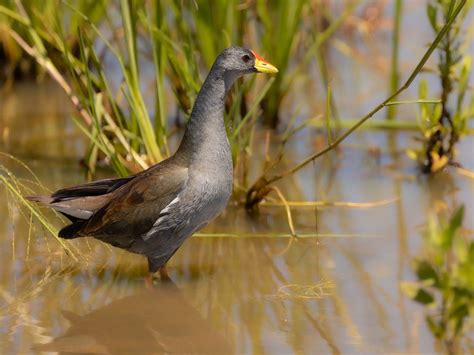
x=205 y=134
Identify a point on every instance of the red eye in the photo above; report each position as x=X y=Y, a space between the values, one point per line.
x=245 y=58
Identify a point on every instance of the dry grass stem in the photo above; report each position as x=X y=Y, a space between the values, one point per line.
x=465 y=172
x=287 y=208
x=311 y=204
x=55 y=75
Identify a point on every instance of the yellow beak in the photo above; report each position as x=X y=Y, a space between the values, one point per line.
x=262 y=66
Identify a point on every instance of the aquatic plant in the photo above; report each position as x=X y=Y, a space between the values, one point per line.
x=443 y=125
x=261 y=187
x=445 y=280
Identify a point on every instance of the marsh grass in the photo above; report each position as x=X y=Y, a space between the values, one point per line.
x=18 y=16
x=260 y=189
x=121 y=125
x=17 y=189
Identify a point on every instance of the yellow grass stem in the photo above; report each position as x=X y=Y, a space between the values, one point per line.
x=287 y=209
x=311 y=204
x=34 y=212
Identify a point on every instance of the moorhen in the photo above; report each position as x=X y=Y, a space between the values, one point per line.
x=153 y=212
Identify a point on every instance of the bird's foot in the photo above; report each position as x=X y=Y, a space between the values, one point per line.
x=149 y=281
x=164 y=274
x=150 y=278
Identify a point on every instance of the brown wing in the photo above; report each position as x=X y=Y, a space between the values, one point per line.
x=135 y=206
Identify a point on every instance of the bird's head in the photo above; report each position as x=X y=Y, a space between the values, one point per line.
x=234 y=62
x=243 y=61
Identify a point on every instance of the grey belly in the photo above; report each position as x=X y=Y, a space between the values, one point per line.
x=192 y=212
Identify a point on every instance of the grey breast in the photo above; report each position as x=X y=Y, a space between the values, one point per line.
x=203 y=198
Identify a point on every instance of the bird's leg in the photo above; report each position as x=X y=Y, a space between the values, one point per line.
x=164 y=273
x=149 y=281
x=150 y=278
x=159 y=264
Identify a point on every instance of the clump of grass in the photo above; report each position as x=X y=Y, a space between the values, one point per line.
x=16 y=63
x=180 y=41
x=117 y=120
x=445 y=280
x=443 y=125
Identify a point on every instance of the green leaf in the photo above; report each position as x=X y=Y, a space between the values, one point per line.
x=459 y=312
x=461 y=250
x=424 y=297
x=424 y=108
x=435 y=237
x=457 y=218
x=425 y=271
x=463 y=293
x=431 y=11
x=458 y=315
x=409 y=288
x=471 y=252
x=454 y=224
x=435 y=328
x=416 y=293
x=465 y=276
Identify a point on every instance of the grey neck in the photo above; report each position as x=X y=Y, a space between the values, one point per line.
x=205 y=137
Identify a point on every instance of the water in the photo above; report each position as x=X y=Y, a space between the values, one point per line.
x=335 y=293
x=258 y=293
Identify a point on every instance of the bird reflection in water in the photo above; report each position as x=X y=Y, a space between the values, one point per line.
x=156 y=320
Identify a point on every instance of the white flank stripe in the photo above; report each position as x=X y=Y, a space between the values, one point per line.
x=167 y=208
x=147 y=235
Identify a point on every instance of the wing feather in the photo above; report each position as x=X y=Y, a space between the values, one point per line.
x=137 y=205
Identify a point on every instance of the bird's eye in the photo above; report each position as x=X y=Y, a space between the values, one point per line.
x=245 y=58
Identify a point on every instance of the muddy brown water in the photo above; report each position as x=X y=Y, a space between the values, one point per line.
x=240 y=287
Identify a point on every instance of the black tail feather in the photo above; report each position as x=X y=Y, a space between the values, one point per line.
x=70 y=231
x=94 y=188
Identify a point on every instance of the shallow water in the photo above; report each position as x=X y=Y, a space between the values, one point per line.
x=259 y=292
x=335 y=293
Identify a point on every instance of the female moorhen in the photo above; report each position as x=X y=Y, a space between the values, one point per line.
x=153 y=212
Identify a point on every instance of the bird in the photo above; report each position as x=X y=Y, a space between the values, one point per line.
x=154 y=211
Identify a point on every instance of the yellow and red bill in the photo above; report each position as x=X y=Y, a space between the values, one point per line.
x=262 y=66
